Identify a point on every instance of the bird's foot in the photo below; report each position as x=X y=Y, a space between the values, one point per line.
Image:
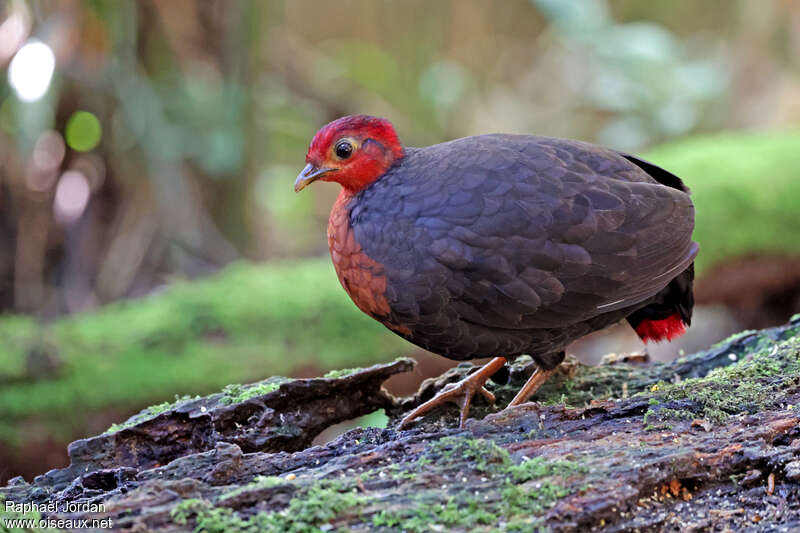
x=536 y=380
x=460 y=393
x=521 y=400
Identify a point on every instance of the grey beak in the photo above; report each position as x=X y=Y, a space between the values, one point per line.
x=309 y=175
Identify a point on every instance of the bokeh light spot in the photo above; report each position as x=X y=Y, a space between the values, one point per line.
x=83 y=131
x=93 y=169
x=48 y=152
x=31 y=70
x=13 y=31
x=72 y=196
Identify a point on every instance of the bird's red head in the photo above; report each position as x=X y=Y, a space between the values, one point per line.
x=353 y=151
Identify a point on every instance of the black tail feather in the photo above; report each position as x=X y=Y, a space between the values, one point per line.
x=676 y=297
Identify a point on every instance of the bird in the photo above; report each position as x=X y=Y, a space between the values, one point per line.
x=499 y=245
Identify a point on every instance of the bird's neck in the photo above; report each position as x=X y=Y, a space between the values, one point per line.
x=362 y=277
x=339 y=222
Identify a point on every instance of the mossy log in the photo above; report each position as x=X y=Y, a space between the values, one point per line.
x=707 y=442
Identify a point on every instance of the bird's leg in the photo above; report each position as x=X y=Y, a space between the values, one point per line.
x=536 y=380
x=460 y=393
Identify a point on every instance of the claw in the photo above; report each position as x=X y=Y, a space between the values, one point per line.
x=460 y=393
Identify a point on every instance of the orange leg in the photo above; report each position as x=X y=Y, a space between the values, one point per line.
x=460 y=393
x=536 y=380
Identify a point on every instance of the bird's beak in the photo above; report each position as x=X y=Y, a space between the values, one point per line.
x=309 y=175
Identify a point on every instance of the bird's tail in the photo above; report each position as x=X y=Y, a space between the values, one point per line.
x=670 y=313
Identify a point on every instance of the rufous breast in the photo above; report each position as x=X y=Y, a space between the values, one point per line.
x=363 y=278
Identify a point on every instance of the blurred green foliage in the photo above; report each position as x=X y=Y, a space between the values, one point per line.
x=246 y=323
x=746 y=191
x=188 y=121
x=649 y=81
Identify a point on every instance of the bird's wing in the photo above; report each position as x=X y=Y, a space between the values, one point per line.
x=521 y=232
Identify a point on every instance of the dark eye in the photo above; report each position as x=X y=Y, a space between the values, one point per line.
x=343 y=149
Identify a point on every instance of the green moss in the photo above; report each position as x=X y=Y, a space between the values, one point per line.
x=335 y=374
x=519 y=500
x=747 y=386
x=538 y=467
x=259 y=482
x=483 y=454
x=151 y=412
x=239 y=393
x=319 y=505
x=657 y=419
x=525 y=501
x=146 y=414
x=596 y=383
x=398 y=473
x=185 y=509
x=246 y=323
x=455 y=512
x=486 y=456
x=308 y=510
x=745 y=181
x=231 y=394
x=527 y=488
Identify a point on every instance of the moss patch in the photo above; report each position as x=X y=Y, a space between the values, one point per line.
x=753 y=383
x=528 y=487
x=486 y=456
x=231 y=394
x=260 y=482
x=335 y=374
x=149 y=413
x=307 y=510
x=455 y=512
x=239 y=393
x=483 y=454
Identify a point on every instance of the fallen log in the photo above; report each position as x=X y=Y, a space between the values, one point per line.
x=707 y=442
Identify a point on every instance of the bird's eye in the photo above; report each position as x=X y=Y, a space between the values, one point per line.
x=343 y=149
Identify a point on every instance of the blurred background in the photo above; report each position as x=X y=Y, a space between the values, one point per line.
x=151 y=244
